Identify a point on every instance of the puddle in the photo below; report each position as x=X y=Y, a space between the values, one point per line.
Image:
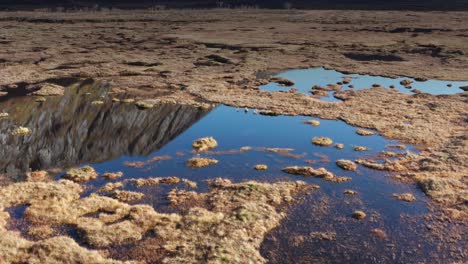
x=71 y=131
x=305 y=79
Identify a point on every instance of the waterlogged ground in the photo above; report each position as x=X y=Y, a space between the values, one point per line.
x=73 y=131
x=305 y=79
x=328 y=210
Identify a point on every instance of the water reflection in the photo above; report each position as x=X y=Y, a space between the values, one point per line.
x=71 y=130
x=325 y=210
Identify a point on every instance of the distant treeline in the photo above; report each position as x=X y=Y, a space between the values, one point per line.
x=277 y=4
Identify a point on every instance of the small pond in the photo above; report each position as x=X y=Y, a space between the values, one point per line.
x=305 y=79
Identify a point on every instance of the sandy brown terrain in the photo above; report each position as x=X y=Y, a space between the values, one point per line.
x=222 y=56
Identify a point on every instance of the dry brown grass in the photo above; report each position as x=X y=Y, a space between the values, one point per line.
x=204 y=144
x=197 y=162
x=275 y=39
x=311 y=172
x=231 y=230
x=346 y=165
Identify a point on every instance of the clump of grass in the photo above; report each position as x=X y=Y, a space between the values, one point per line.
x=359 y=215
x=322 y=141
x=261 y=167
x=350 y=192
x=112 y=175
x=386 y=166
x=319 y=173
x=360 y=148
x=153 y=181
x=204 y=144
x=190 y=184
x=363 y=132
x=37 y=176
x=201 y=162
x=82 y=174
x=127 y=196
x=346 y=165
x=407 y=197
x=312 y=122
x=339 y=146
x=111 y=186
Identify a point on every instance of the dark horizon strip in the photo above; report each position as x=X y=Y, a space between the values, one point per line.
x=278 y=4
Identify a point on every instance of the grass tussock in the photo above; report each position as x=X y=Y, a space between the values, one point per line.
x=230 y=231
